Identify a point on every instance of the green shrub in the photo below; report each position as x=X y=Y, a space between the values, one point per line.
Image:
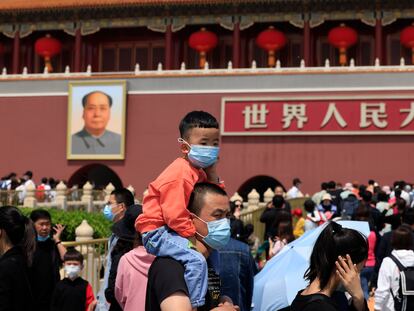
x=72 y=219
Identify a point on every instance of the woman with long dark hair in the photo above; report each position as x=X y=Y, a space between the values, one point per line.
x=337 y=258
x=17 y=244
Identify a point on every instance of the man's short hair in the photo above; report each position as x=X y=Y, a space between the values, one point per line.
x=196 y=201
x=278 y=201
x=331 y=184
x=73 y=255
x=40 y=214
x=123 y=195
x=85 y=98
x=200 y=119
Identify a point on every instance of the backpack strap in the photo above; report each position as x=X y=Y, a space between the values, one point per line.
x=400 y=266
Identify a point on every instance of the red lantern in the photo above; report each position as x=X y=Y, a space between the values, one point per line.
x=407 y=39
x=271 y=40
x=203 y=41
x=47 y=47
x=342 y=38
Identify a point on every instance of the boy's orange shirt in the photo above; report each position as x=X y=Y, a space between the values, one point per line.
x=167 y=199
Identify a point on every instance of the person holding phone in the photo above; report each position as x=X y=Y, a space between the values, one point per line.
x=47 y=259
x=336 y=261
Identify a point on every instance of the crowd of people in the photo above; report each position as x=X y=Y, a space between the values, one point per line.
x=45 y=191
x=186 y=247
x=389 y=212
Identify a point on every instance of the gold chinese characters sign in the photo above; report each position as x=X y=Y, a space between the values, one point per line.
x=318 y=115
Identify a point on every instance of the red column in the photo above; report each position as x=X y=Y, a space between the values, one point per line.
x=236 y=45
x=16 y=53
x=168 y=48
x=378 y=40
x=307 y=44
x=78 y=50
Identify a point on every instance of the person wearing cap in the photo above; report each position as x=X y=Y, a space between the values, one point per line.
x=299 y=229
x=114 y=210
x=327 y=207
x=294 y=192
x=127 y=239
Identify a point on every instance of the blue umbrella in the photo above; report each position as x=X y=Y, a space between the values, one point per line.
x=277 y=284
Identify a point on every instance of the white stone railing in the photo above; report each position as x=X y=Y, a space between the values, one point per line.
x=88 y=199
x=327 y=68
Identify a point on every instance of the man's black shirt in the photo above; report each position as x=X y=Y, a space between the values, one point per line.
x=166 y=277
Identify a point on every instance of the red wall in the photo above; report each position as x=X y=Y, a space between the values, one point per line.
x=33 y=131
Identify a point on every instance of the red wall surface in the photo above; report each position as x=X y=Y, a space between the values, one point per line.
x=33 y=131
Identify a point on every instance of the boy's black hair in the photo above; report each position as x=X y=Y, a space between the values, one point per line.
x=334 y=241
x=193 y=119
x=73 y=255
x=40 y=214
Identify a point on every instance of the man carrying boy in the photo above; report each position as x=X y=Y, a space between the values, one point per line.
x=72 y=293
x=166 y=224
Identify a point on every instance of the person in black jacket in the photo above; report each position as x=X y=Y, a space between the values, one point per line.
x=16 y=250
x=236 y=224
x=47 y=259
x=269 y=215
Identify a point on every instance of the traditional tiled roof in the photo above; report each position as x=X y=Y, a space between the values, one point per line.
x=9 y=5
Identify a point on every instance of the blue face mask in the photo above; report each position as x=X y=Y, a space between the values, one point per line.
x=202 y=156
x=42 y=238
x=218 y=233
x=107 y=211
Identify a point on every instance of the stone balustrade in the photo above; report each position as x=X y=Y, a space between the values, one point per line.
x=87 y=198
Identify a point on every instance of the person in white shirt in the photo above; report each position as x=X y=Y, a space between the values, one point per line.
x=317 y=197
x=389 y=274
x=314 y=217
x=294 y=192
